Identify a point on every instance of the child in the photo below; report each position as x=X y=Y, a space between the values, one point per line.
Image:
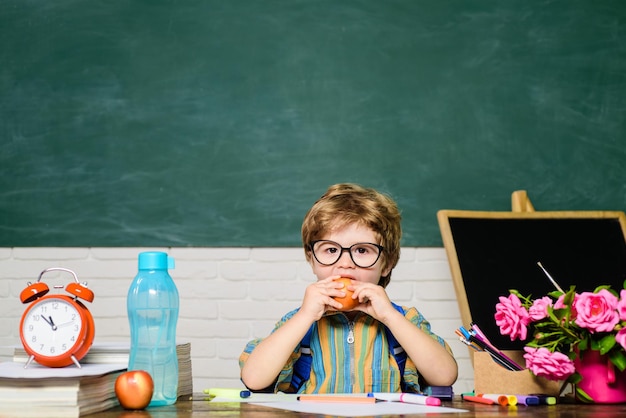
x=351 y=232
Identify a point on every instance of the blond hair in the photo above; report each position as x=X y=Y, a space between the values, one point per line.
x=346 y=203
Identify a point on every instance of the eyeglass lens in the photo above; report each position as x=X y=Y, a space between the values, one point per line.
x=363 y=254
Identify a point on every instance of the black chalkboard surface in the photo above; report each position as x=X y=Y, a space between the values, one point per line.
x=492 y=252
x=219 y=123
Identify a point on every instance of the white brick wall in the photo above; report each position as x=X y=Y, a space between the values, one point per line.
x=228 y=296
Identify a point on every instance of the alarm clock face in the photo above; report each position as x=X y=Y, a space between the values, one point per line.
x=53 y=327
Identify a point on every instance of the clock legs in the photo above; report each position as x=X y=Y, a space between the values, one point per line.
x=76 y=362
x=30 y=360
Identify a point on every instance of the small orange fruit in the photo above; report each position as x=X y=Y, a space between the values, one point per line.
x=347 y=301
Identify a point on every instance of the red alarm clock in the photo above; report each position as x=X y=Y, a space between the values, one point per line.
x=56 y=330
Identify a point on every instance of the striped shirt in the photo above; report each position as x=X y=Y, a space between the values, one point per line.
x=350 y=356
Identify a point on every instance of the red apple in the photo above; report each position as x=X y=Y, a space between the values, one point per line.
x=134 y=389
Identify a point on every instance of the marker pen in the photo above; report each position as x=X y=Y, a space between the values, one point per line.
x=510 y=400
x=419 y=399
x=227 y=393
x=527 y=399
x=502 y=400
x=545 y=399
x=477 y=399
x=407 y=398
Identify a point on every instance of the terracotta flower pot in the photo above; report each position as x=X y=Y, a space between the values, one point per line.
x=600 y=379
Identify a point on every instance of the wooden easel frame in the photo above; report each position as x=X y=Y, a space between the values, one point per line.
x=522 y=208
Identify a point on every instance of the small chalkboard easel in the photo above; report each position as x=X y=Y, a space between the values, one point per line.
x=492 y=252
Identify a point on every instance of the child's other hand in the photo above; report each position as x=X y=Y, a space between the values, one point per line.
x=318 y=297
x=373 y=301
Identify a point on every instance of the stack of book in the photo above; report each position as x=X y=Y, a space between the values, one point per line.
x=185 y=377
x=39 y=391
x=111 y=353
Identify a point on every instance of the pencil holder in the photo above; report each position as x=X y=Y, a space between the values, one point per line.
x=490 y=377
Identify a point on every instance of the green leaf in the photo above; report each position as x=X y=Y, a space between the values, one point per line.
x=607 y=287
x=569 y=296
x=574 y=378
x=572 y=356
x=583 y=396
x=595 y=345
x=556 y=315
x=606 y=343
x=618 y=358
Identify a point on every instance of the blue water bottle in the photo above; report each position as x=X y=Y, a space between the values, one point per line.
x=152 y=305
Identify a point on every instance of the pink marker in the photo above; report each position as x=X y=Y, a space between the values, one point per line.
x=419 y=399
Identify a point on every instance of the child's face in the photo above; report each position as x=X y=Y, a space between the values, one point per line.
x=347 y=236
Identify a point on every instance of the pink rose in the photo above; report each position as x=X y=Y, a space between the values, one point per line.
x=597 y=311
x=620 y=338
x=621 y=306
x=512 y=317
x=539 y=310
x=552 y=366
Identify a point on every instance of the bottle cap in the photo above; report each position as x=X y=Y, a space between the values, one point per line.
x=155 y=260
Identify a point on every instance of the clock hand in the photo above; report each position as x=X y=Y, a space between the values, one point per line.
x=50 y=322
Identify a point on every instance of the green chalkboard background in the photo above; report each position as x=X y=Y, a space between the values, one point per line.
x=218 y=123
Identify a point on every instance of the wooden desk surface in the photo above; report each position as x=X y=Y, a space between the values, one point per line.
x=198 y=408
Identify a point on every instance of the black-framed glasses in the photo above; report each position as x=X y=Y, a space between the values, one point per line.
x=363 y=254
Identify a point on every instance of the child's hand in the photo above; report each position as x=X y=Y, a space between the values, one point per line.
x=373 y=301
x=318 y=297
